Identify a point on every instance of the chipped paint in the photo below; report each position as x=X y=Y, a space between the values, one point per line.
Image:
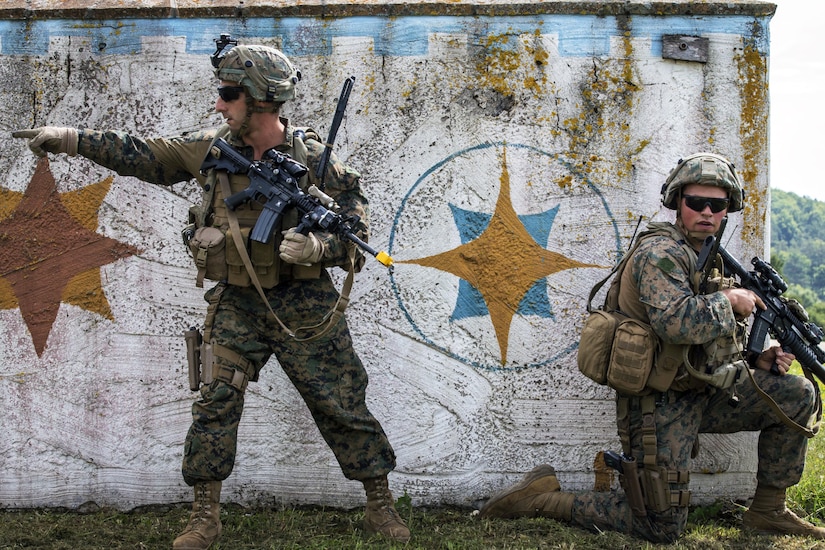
x=509 y=151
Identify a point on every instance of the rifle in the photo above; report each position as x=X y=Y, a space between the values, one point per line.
x=273 y=182
x=343 y=99
x=786 y=320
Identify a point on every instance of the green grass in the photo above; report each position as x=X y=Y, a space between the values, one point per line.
x=809 y=493
x=315 y=528
x=309 y=528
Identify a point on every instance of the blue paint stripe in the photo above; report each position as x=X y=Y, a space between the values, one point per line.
x=579 y=35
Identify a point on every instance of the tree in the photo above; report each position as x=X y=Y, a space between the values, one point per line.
x=796 y=267
x=798 y=249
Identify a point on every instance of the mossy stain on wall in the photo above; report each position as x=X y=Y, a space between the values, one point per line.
x=753 y=73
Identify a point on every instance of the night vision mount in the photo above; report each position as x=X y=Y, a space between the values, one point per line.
x=222 y=47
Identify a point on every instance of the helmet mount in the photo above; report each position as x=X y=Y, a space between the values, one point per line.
x=222 y=45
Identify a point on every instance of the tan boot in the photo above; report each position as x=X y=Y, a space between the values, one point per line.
x=204 y=526
x=538 y=494
x=381 y=516
x=768 y=514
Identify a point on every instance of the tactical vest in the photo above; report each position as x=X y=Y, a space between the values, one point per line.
x=691 y=366
x=212 y=212
x=649 y=487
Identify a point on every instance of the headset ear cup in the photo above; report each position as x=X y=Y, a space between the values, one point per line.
x=665 y=200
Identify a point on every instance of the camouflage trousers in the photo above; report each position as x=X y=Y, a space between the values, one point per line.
x=326 y=372
x=680 y=417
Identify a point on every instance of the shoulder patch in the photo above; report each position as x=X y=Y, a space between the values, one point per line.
x=665 y=264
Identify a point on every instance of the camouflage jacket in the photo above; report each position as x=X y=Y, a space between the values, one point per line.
x=659 y=274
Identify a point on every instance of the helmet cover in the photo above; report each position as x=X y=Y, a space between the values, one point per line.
x=704 y=169
x=265 y=73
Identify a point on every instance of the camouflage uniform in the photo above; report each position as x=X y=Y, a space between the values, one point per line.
x=692 y=385
x=327 y=372
x=666 y=298
x=297 y=314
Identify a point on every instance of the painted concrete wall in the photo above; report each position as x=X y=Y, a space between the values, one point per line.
x=508 y=150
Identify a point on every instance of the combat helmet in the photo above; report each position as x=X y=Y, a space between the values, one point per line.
x=704 y=169
x=264 y=72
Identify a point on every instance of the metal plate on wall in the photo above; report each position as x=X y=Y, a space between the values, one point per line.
x=685 y=48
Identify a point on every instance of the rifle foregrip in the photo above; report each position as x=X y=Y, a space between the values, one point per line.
x=805 y=355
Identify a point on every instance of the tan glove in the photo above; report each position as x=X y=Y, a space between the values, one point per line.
x=50 y=139
x=297 y=248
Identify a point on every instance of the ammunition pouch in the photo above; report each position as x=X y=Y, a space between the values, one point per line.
x=596 y=343
x=264 y=259
x=632 y=357
x=658 y=496
x=218 y=259
x=208 y=248
x=625 y=354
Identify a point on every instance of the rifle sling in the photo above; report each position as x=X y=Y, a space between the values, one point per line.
x=331 y=317
x=809 y=432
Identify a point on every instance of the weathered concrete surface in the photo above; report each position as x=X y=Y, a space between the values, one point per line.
x=508 y=160
x=19 y=9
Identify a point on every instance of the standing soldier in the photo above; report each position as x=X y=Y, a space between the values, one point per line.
x=241 y=330
x=709 y=392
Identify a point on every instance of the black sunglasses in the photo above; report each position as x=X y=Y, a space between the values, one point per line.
x=698 y=204
x=230 y=93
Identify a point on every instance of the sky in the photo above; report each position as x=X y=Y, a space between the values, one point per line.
x=796 y=85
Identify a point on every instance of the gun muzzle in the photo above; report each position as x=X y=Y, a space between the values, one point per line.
x=384 y=258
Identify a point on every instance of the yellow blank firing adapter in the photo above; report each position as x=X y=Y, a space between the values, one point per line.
x=384 y=258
